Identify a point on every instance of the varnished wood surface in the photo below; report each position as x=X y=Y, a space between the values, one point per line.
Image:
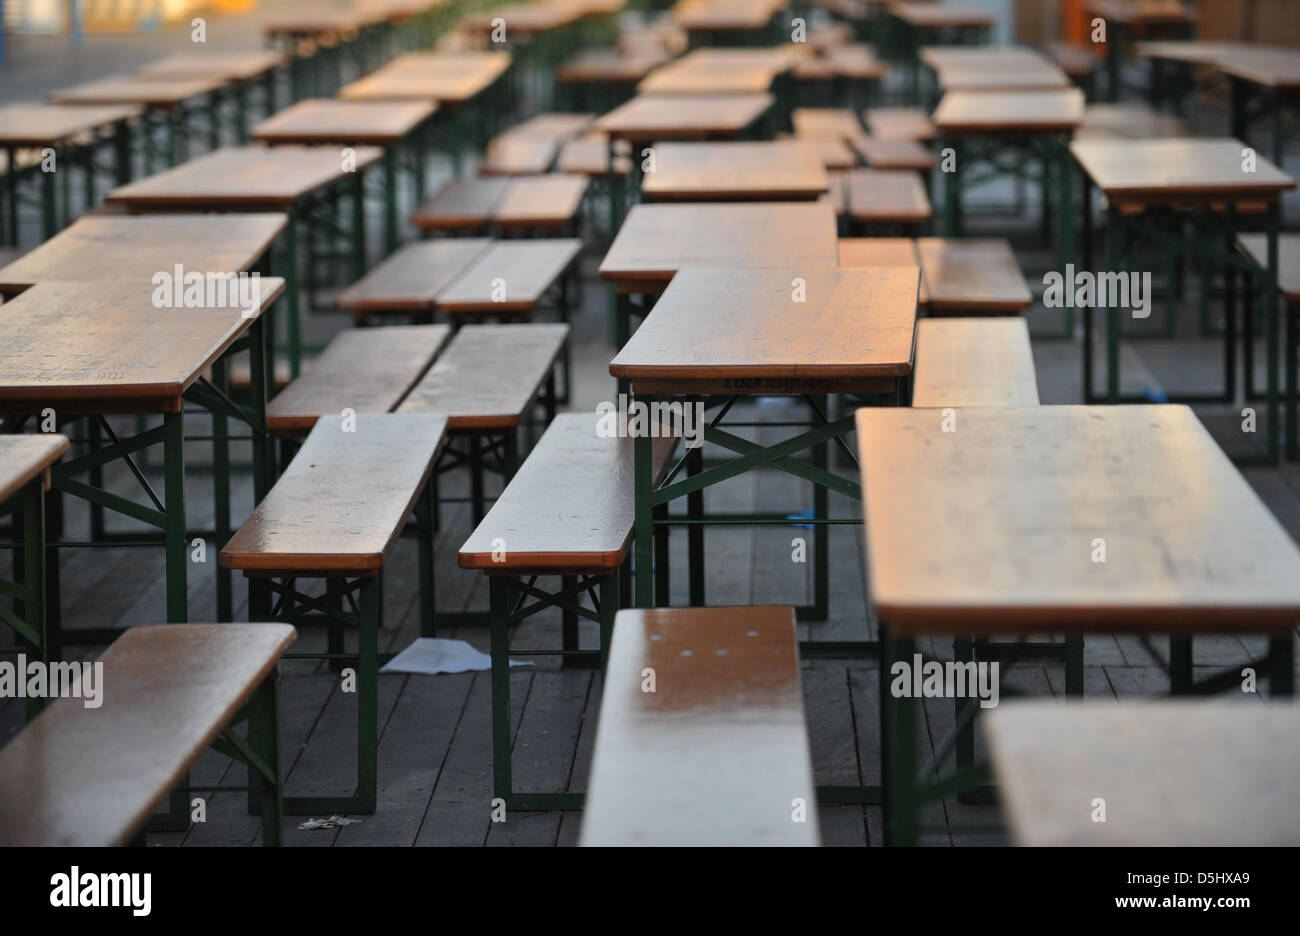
x=942 y=15
x=1075 y=60
x=592 y=65
x=571 y=505
x=107 y=345
x=894 y=154
x=342 y=502
x=91 y=776
x=104 y=247
x=720 y=324
x=439 y=78
x=590 y=157
x=1147 y=13
x=882 y=252
x=978 y=78
x=825 y=123
x=1171 y=772
x=51 y=124
x=1288 y=260
x=1129 y=120
x=775 y=171
x=23 y=457
x=323 y=120
x=974 y=362
x=979 y=276
x=164 y=93
x=899 y=123
x=1193 y=51
x=681 y=77
x=1156 y=170
x=694 y=117
x=833 y=153
x=461 y=203
x=718 y=754
x=1009 y=111
x=366 y=370
x=938 y=57
x=242 y=177
x=1271 y=67
x=656 y=241
x=509 y=276
x=1189 y=547
x=516 y=154
x=553 y=125
x=887 y=196
x=408 y=280
x=225 y=66
x=488 y=375
x=550 y=200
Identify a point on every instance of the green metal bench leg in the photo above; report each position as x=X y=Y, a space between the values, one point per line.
x=1281 y=654
x=221 y=492
x=425 y=518
x=695 y=532
x=822 y=531
x=898 y=721
x=264 y=739
x=499 y=603
x=644 y=544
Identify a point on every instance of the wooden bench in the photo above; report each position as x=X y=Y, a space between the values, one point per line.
x=518 y=154
x=886 y=252
x=972 y=277
x=409 y=280
x=544 y=202
x=335 y=514
x=826 y=123
x=894 y=154
x=488 y=381
x=899 y=123
x=974 y=362
x=718 y=754
x=886 y=197
x=92 y=776
x=1171 y=773
x=583 y=534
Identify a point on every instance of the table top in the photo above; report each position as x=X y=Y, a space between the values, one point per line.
x=942 y=15
x=608 y=65
x=117 y=351
x=719 y=752
x=1190 y=547
x=1271 y=67
x=973 y=274
x=987 y=56
x=1195 y=51
x=681 y=77
x=242 y=177
x=1009 y=111
x=108 y=247
x=689 y=117
x=887 y=196
x=518 y=154
x=23 y=457
x=899 y=123
x=312 y=20
x=775 y=171
x=656 y=241
x=132 y=90
x=831 y=123
x=441 y=77
x=1146 y=13
x=1182 y=168
x=325 y=120
x=225 y=66
x=979 y=78
x=746 y=325
x=723 y=15
x=1188 y=773
x=49 y=124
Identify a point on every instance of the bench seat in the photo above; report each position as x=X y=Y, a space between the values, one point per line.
x=973 y=277
x=883 y=251
x=526 y=270
x=367 y=370
x=462 y=204
x=92 y=776
x=408 y=281
x=894 y=154
x=886 y=196
x=899 y=123
x=974 y=362
x=718 y=754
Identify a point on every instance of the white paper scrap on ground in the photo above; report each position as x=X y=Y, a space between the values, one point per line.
x=333 y=822
x=432 y=655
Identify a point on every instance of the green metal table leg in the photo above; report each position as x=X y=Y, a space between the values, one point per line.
x=221 y=492
x=264 y=739
x=424 y=512
x=358 y=225
x=898 y=723
x=293 y=289
x=390 y=199
x=499 y=601
x=174 y=517
x=1112 y=310
x=644 y=544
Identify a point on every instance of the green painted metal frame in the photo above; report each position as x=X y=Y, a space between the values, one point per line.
x=27 y=615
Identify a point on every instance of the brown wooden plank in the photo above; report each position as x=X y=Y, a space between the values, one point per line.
x=976 y=276
x=104 y=247
x=1147 y=13
x=226 y=66
x=556 y=126
x=525 y=269
x=489 y=375
x=367 y=370
x=115 y=347
x=1190 y=547
x=1009 y=111
x=1076 y=60
x=1288 y=260
x=512 y=154
x=1153 y=170
x=538 y=201
x=712 y=324
x=766 y=171
x=1171 y=773
x=570 y=506
x=886 y=196
x=695 y=117
x=893 y=154
x=342 y=503
x=1131 y=120
x=828 y=123
x=656 y=241
x=128 y=90
x=718 y=754
x=834 y=154
x=882 y=252
x=974 y=362
x=408 y=280
x=91 y=776
x=590 y=157
x=899 y=123
x=942 y=15
x=50 y=124
x=242 y=177
x=461 y=203
x=441 y=78
x=608 y=65
x=23 y=457
x=1040 y=77
x=382 y=123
